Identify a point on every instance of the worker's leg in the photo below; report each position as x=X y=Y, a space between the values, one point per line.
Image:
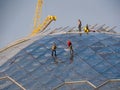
x=55 y=52
x=71 y=50
x=52 y=52
x=79 y=28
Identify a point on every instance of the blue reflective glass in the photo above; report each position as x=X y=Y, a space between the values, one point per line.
x=118 y=66
x=102 y=66
x=102 y=36
x=96 y=58
x=18 y=74
x=12 y=87
x=92 y=60
x=32 y=66
x=11 y=69
x=116 y=48
x=113 y=58
x=25 y=61
x=105 y=50
x=98 y=80
x=109 y=41
x=4 y=83
x=111 y=73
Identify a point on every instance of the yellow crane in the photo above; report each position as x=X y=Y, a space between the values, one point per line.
x=41 y=26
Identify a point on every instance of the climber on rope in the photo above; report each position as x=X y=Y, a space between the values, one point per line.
x=54 y=49
x=87 y=30
x=69 y=44
x=79 y=25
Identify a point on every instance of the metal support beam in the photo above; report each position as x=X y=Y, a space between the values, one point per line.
x=12 y=80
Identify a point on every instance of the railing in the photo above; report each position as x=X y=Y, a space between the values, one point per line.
x=87 y=82
x=12 y=80
x=106 y=30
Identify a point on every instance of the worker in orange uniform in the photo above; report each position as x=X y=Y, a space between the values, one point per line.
x=69 y=44
x=54 y=49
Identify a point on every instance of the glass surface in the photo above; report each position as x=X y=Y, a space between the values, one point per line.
x=111 y=86
x=76 y=87
x=96 y=58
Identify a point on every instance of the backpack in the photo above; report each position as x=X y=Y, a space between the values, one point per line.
x=54 y=47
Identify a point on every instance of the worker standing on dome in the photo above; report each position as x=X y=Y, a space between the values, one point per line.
x=79 y=25
x=54 y=49
x=69 y=44
x=87 y=30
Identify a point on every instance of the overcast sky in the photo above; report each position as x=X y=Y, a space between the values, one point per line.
x=16 y=16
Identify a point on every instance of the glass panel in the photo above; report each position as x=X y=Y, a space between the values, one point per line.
x=85 y=52
x=116 y=48
x=34 y=86
x=32 y=66
x=105 y=50
x=98 y=80
x=12 y=87
x=102 y=36
x=111 y=73
x=25 y=61
x=81 y=67
x=37 y=73
x=31 y=47
x=25 y=79
x=102 y=67
x=112 y=58
x=31 y=83
x=97 y=46
x=4 y=83
x=118 y=66
x=92 y=60
x=109 y=41
x=53 y=83
x=111 y=86
x=11 y=69
x=18 y=74
x=76 y=87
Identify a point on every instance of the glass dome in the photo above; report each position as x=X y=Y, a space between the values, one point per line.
x=96 y=59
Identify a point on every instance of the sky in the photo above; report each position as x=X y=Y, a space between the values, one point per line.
x=16 y=16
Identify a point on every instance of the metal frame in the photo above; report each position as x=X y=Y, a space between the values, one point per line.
x=87 y=82
x=12 y=80
x=50 y=32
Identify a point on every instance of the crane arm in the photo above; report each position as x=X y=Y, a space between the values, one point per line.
x=41 y=26
x=38 y=13
x=44 y=25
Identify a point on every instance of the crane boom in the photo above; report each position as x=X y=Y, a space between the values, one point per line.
x=41 y=26
x=38 y=13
